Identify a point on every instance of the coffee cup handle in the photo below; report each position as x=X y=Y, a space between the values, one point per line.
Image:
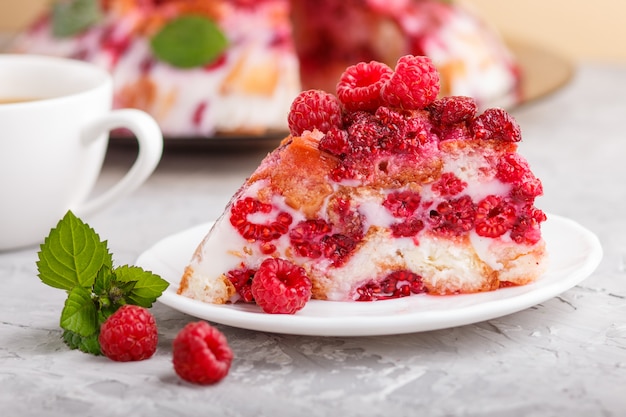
x=150 y=140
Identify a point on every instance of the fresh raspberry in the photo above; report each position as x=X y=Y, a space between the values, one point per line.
x=407 y=228
x=453 y=217
x=314 y=109
x=364 y=134
x=496 y=124
x=530 y=188
x=335 y=142
x=201 y=354
x=453 y=132
x=448 y=185
x=401 y=134
x=512 y=168
x=129 y=334
x=393 y=118
x=280 y=287
x=413 y=85
x=305 y=237
x=395 y=285
x=345 y=219
x=258 y=231
x=338 y=247
x=453 y=109
x=402 y=203
x=343 y=172
x=242 y=281
x=494 y=216
x=418 y=131
x=360 y=84
x=526 y=229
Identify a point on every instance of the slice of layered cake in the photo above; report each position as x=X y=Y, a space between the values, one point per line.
x=381 y=191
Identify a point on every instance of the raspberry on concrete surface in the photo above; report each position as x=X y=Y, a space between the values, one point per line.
x=201 y=354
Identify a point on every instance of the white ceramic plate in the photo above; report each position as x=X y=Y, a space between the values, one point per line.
x=574 y=253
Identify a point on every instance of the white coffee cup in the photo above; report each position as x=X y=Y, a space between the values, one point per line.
x=53 y=145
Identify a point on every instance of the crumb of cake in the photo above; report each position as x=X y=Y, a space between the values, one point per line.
x=220 y=289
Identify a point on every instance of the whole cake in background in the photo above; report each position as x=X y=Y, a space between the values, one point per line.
x=471 y=58
x=382 y=191
x=207 y=68
x=200 y=67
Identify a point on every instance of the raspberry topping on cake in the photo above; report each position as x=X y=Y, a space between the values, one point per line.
x=496 y=124
x=360 y=85
x=314 y=109
x=384 y=191
x=452 y=110
x=413 y=85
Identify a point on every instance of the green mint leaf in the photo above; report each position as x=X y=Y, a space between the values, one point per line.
x=105 y=312
x=108 y=291
x=103 y=281
x=79 y=314
x=70 y=17
x=72 y=255
x=126 y=287
x=85 y=344
x=189 y=41
x=104 y=289
x=147 y=286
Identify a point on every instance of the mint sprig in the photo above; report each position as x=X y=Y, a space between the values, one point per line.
x=72 y=255
x=189 y=41
x=73 y=258
x=88 y=344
